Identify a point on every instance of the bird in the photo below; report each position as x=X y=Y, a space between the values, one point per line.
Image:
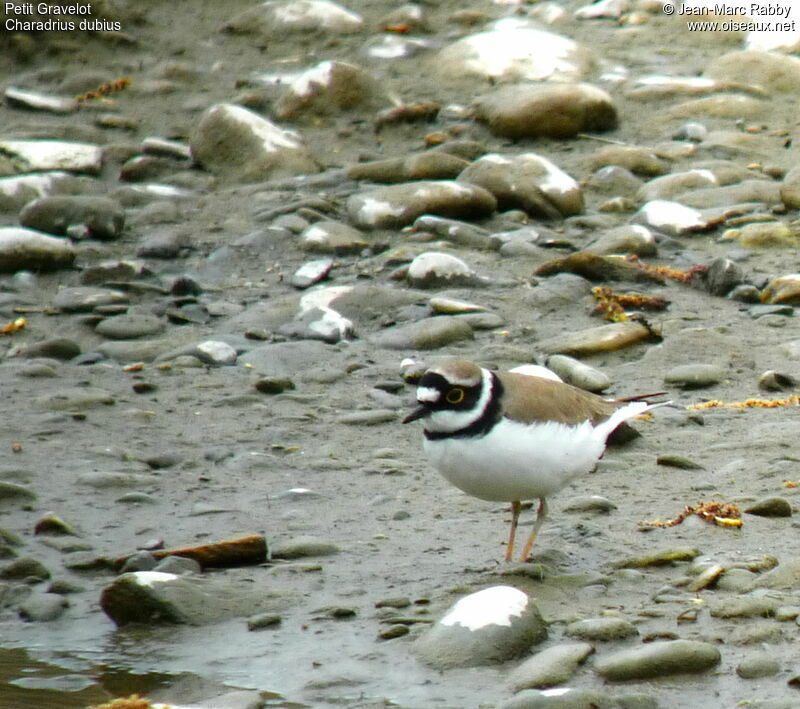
x=510 y=436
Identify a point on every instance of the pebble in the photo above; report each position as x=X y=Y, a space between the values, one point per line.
x=631 y=239
x=526 y=181
x=549 y=667
x=428 y=334
x=285 y=359
x=604 y=338
x=770 y=507
x=178 y=565
x=25 y=568
x=11 y=491
x=100 y=480
x=371 y=417
x=82 y=299
x=456 y=232
x=263 y=620
x=54 y=348
x=330 y=237
x=590 y=503
x=102 y=218
x=43 y=607
x=397 y=630
x=75 y=399
x=768 y=235
x=578 y=374
x=52 y=524
x=435 y=269
x=130 y=326
x=671 y=218
x=512 y=51
x=280 y=17
x=216 y=353
x=559 y=698
x=550 y=109
x=430 y=165
x=311 y=273
x=28 y=249
x=441 y=305
x=762 y=665
x=396 y=206
x=784 y=289
x=301 y=547
x=772 y=380
x=45 y=155
x=40 y=102
x=274 y=385
x=658 y=659
x=240 y=145
x=636 y=159
x=696 y=375
x=743 y=607
x=486 y=627
x=660 y=558
x=723 y=276
x=672 y=186
x=601 y=629
x=772 y=72
x=17 y=190
x=327 y=89
x=790 y=189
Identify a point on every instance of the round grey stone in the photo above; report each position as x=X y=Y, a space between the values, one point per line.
x=695 y=376
x=658 y=659
x=490 y=626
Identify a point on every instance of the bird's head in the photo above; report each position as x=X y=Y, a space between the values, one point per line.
x=450 y=396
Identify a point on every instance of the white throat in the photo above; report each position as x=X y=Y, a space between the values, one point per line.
x=449 y=421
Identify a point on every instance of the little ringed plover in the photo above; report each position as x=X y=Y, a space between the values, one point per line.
x=506 y=436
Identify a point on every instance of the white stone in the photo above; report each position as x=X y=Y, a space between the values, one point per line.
x=514 y=52
x=151 y=578
x=216 y=352
x=496 y=605
x=372 y=211
x=604 y=8
x=437 y=264
x=41 y=155
x=671 y=217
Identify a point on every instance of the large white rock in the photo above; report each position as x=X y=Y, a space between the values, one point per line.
x=490 y=626
x=41 y=155
x=514 y=51
x=236 y=143
x=276 y=18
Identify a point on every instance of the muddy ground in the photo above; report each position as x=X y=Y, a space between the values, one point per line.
x=401 y=530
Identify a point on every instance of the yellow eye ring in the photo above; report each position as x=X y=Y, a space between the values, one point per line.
x=455 y=396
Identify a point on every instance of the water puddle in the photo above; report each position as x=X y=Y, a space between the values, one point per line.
x=70 y=682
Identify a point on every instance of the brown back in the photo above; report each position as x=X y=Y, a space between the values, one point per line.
x=538 y=399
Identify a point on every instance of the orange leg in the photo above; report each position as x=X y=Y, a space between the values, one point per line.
x=537 y=525
x=515 y=508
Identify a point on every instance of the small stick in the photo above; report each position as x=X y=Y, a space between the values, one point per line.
x=243 y=551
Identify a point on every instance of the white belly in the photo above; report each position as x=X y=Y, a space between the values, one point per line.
x=516 y=461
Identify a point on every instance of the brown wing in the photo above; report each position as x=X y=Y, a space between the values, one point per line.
x=538 y=399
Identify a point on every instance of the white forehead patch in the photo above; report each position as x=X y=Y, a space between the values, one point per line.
x=428 y=394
